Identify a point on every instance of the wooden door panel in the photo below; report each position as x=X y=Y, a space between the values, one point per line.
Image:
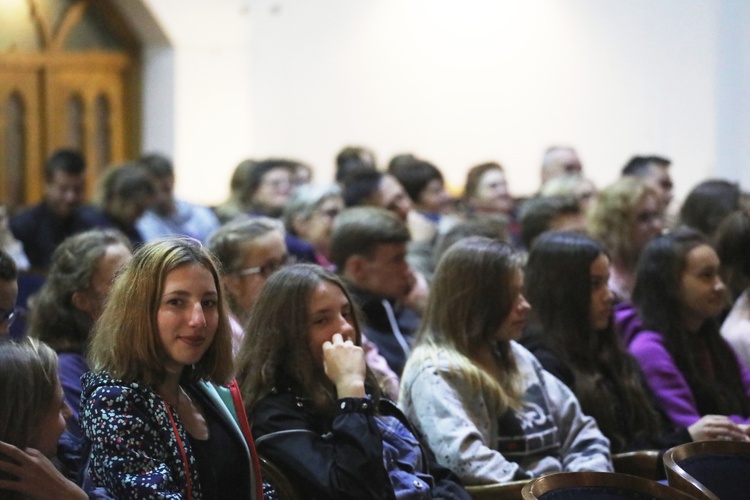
x=100 y=93
x=20 y=134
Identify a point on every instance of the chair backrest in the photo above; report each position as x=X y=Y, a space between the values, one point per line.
x=500 y=491
x=598 y=485
x=285 y=489
x=642 y=463
x=710 y=469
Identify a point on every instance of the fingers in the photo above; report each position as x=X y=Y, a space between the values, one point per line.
x=337 y=339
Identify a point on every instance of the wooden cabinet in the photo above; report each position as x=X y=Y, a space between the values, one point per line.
x=58 y=96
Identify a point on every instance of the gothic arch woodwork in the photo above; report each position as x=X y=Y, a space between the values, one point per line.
x=76 y=87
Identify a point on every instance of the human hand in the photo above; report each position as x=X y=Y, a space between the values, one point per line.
x=344 y=365
x=36 y=477
x=717 y=427
x=421 y=229
x=420 y=291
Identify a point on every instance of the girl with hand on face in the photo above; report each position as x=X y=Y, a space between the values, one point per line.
x=32 y=418
x=159 y=421
x=572 y=335
x=484 y=404
x=315 y=408
x=673 y=333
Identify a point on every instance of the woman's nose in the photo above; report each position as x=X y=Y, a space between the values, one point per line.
x=197 y=317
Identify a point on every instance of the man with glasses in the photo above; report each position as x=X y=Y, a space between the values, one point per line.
x=8 y=293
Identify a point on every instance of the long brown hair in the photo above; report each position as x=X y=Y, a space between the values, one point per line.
x=275 y=351
x=125 y=338
x=608 y=382
x=471 y=295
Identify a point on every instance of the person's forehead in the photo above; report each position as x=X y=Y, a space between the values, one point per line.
x=61 y=177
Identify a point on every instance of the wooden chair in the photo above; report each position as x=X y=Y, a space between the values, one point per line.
x=597 y=485
x=271 y=474
x=642 y=463
x=710 y=469
x=501 y=491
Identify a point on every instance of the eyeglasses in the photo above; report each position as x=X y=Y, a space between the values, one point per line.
x=8 y=316
x=266 y=269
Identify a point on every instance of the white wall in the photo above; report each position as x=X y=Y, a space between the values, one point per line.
x=457 y=82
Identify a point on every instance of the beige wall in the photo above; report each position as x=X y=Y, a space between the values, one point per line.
x=457 y=82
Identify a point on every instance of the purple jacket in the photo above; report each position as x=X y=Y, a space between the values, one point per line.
x=660 y=370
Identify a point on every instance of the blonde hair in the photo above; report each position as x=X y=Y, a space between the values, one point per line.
x=471 y=295
x=613 y=216
x=125 y=338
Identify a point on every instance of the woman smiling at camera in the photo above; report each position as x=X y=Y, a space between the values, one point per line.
x=159 y=421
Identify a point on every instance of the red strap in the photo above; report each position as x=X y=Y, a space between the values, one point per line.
x=244 y=424
x=182 y=452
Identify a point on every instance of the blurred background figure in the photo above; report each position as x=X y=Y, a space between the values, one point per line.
x=576 y=186
x=169 y=216
x=61 y=213
x=249 y=251
x=560 y=160
x=236 y=204
x=66 y=307
x=124 y=193
x=353 y=158
x=709 y=202
x=8 y=294
x=309 y=216
x=653 y=170
x=626 y=216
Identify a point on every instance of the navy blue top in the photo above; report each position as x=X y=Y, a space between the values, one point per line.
x=40 y=230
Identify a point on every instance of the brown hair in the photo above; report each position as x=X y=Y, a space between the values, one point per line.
x=475 y=175
x=275 y=352
x=471 y=295
x=28 y=380
x=125 y=338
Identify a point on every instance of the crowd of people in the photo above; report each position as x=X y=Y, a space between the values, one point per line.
x=374 y=336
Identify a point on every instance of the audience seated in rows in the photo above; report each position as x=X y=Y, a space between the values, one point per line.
x=571 y=334
x=486 y=407
x=169 y=216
